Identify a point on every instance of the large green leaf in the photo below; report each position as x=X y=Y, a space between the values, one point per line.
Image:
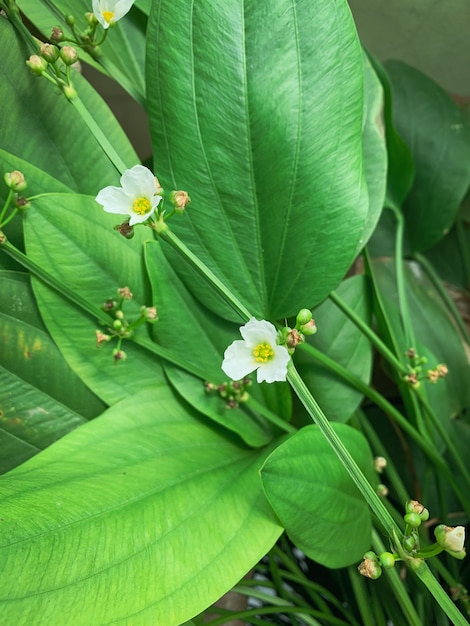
x=267 y=141
x=316 y=500
x=44 y=128
x=438 y=137
x=339 y=339
x=122 y=55
x=73 y=239
x=143 y=516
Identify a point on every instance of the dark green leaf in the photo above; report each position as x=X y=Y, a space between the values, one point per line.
x=267 y=141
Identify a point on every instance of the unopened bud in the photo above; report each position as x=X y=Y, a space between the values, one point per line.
x=70 y=20
x=442 y=370
x=180 y=200
x=293 y=338
x=69 y=55
x=387 y=560
x=303 y=317
x=432 y=376
x=125 y=293
x=49 y=52
x=69 y=92
x=413 y=506
x=150 y=313
x=119 y=355
x=37 y=64
x=380 y=463
x=22 y=203
x=15 y=180
x=101 y=338
x=412 y=519
x=125 y=229
x=57 y=34
x=309 y=329
x=370 y=567
x=91 y=18
x=382 y=490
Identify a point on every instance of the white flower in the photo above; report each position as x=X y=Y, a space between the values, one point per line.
x=109 y=11
x=258 y=350
x=450 y=537
x=136 y=197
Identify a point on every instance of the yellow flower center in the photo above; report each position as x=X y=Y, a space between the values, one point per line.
x=108 y=15
x=263 y=353
x=141 y=206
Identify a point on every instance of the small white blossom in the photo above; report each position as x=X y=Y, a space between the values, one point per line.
x=257 y=351
x=109 y=11
x=450 y=537
x=136 y=197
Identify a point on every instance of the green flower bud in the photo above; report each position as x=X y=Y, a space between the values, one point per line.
x=91 y=18
x=309 y=329
x=49 y=52
x=303 y=317
x=413 y=506
x=387 y=560
x=37 y=64
x=15 y=180
x=70 y=20
x=69 y=55
x=409 y=543
x=412 y=519
x=119 y=355
x=57 y=34
x=117 y=325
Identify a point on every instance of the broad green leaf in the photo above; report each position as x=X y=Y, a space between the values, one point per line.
x=121 y=56
x=438 y=137
x=143 y=516
x=267 y=141
x=72 y=238
x=42 y=127
x=312 y=494
x=436 y=335
x=199 y=338
x=340 y=340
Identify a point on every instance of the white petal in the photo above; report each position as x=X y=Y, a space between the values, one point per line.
x=137 y=218
x=114 y=200
x=238 y=360
x=98 y=7
x=122 y=7
x=139 y=182
x=256 y=331
x=455 y=538
x=275 y=369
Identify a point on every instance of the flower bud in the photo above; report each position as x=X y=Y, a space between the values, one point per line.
x=310 y=328
x=451 y=538
x=409 y=543
x=70 y=20
x=293 y=338
x=380 y=463
x=117 y=325
x=37 y=64
x=125 y=293
x=69 y=55
x=413 y=520
x=101 y=338
x=442 y=370
x=382 y=490
x=413 y=506
x=49 y=52
x=150 y=313
x=91 y=18
x=303 y=317
x=180 y=200
x=119 y=355
x=370 y=567
x=15 y=180
x=69 y=92
x=387 y=560
x=432 y=376
x=57 y=34
x=22 y=203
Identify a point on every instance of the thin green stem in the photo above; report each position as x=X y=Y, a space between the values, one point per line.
x=397 y=585
x=99 y=135
x=167 y=235
x=423 y=572
x=340 y=450
x=252 y=403
x=6 y=207
x=368 y=332
x=10 y=217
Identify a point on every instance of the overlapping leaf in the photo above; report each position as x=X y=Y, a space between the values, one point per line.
x=267 y=140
